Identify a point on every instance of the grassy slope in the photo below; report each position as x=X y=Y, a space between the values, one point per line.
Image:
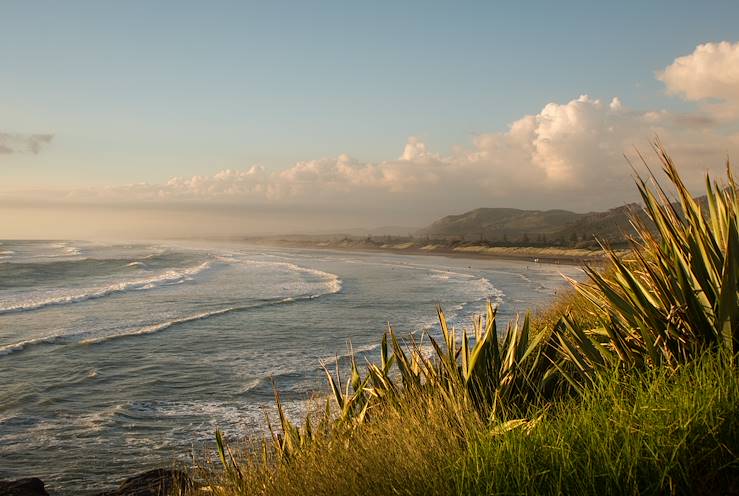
x=653 y=433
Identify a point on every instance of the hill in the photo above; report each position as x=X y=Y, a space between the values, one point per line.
x=515 y=226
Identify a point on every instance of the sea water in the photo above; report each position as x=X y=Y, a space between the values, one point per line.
x=115 y=358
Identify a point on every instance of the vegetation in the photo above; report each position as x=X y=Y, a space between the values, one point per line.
x=629 y=386
x=514 y=227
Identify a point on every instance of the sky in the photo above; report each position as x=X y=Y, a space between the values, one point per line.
x=140 y=119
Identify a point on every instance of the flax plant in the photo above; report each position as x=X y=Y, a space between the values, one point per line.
x=676 y=294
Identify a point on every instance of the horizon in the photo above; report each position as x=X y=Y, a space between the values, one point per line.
x=138 y=122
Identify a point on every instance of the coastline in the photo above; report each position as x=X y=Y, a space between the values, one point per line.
x=552 y=255
x=161 y=255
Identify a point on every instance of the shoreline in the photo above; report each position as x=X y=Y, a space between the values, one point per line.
x=550 y=255
x=107 y=487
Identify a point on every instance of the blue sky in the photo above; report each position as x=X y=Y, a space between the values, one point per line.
x=143 y=91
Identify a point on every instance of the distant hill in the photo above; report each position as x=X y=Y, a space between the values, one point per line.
x=510 y=225
x=391 y=231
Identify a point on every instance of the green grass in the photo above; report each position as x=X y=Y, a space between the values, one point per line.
x=627 y=385
x=649 y=433
x=655 y=432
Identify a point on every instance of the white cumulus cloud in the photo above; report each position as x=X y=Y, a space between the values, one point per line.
x=568 y=155
x=710 y=74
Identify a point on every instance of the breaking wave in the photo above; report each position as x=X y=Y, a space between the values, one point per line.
x=151 y=329
x=35 y=302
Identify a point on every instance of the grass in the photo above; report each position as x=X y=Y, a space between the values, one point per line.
x=627 y=385
x=657 y=432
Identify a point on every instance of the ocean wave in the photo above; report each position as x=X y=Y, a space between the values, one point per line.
x=444 y=273
x=332 y=284
x=172 y=276
x=204 y=417
x=482 y=289
x=301 y=372
x=154 y=328
x=67 y=250
x=54 y=257
x=22 y=345
x=151 y=329
x=357 y=352
x=333 y=281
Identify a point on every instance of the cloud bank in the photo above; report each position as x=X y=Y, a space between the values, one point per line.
x=566 y=155
x=23 y=143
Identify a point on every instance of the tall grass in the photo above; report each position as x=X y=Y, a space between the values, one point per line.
x=629 y=386
x=653 y=432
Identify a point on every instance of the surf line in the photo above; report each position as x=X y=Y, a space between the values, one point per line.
x=154 y=328
x=168 y=277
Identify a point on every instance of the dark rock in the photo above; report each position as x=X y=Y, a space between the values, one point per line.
x=23 y=487
x=158 y=482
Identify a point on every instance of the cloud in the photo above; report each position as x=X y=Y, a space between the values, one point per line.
x=23 y=143
x=710 y=75
x=568 y=155
x=565 y=155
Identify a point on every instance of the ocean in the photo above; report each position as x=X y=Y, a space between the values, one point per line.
x=115 y=358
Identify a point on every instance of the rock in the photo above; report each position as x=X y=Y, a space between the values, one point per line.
x=23 y=487
x=158 y=482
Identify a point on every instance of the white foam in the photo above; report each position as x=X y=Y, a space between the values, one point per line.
x=156 y=327
x=151 y=329
x=136 y=264
x=21 y=345
x=435 y=273
x=333 y=282
x=35 y=302
x=446 y=273
x=251 y=385
x=72 y=251
x=68 y=250
x=482 y=288
x=203 y=417
x=358 y=353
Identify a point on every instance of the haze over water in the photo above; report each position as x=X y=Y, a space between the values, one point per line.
x=114 y=358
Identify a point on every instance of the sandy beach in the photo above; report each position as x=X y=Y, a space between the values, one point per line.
x=556 y=255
